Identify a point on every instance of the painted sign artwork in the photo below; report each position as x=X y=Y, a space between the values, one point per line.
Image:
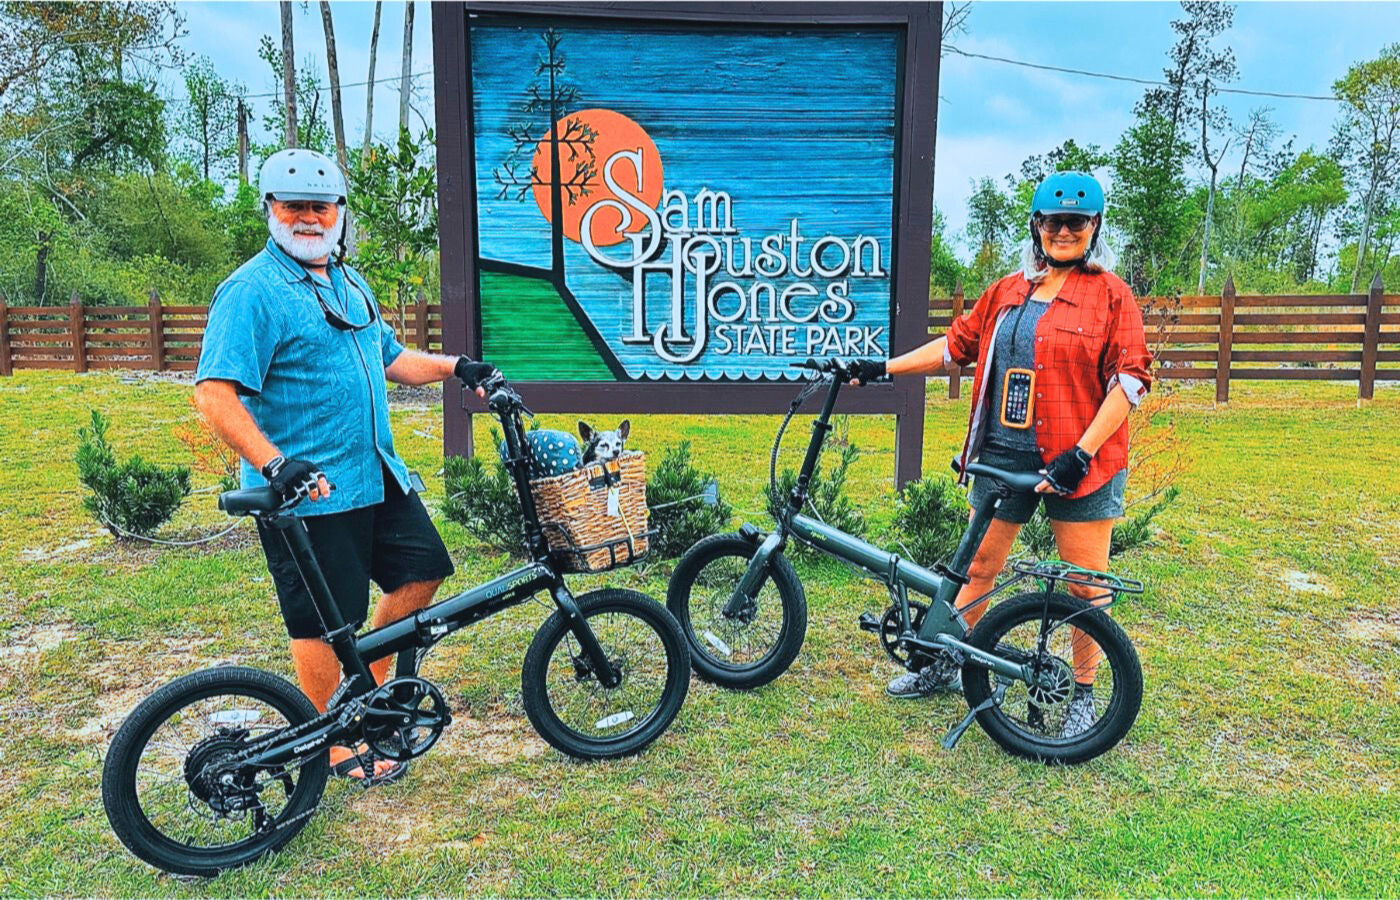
x=667 y=205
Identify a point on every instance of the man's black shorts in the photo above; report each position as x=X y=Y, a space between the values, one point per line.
x=392 y=543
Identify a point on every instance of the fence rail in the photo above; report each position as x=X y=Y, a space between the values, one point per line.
x=1297 y=337
x=1339 y=337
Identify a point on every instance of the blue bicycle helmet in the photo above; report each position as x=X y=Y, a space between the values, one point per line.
x=1068 y=192
x=1062 y=193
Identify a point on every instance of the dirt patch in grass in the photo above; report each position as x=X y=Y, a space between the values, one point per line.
x=1373 y=629
x=1306 y=582
x=496 y=740
x=29 y=641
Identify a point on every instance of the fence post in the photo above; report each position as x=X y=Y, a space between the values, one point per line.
x=157 y=332
x=75 y=327
x=1227 y=338
x=955 y=372
x=6 y=366
x=1370 y=342
x=420 y=318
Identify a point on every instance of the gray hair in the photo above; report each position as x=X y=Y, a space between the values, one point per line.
x=1101 y=259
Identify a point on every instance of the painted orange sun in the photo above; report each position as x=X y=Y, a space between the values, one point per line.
x=587 y=140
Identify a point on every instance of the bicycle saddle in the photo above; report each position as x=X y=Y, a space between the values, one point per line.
x=1021 y=482
x=250 y=501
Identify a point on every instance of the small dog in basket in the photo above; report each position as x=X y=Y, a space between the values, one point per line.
x=603 y=446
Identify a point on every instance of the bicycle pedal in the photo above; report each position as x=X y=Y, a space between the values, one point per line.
x=869 y=623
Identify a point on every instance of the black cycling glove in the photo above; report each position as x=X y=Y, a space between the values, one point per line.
x=292 y=477
x=1068 y=469
x=473 y=373
x=867 y=370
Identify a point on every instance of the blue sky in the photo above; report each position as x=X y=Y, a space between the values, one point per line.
x=991 y=115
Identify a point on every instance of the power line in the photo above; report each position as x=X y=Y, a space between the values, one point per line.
x=392 y=79
x=1223 y=90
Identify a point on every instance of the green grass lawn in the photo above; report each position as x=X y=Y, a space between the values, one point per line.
x=1264 y=762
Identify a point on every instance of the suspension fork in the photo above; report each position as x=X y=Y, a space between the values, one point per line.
x=608 y=676
x=754 y=575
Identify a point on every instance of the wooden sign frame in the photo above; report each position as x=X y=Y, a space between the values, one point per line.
x=912 y=227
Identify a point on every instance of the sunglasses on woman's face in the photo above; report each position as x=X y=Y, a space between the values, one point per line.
x=1073 y=221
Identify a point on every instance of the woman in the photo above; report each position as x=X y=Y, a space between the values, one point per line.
x=1061 y=361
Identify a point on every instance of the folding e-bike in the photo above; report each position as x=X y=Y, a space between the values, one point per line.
x=224 y=765
x=744 y=614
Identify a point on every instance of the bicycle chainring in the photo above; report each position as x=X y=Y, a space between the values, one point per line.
x=404 y=717
x=890 y=630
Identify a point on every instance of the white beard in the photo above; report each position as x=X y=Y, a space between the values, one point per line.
x=306 y=247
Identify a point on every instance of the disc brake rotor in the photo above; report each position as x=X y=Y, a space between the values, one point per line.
x=1054 y=685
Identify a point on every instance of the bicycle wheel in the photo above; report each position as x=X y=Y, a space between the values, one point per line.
x=758 y=645
x=1042 y=722
x=572 y=710
x=170 y=799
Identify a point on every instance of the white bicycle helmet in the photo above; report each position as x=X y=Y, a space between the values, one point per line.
x=297 y=174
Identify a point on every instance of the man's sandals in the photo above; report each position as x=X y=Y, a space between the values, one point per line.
x=367 y=764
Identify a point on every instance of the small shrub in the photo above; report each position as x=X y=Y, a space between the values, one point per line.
x=930 y=518
x=1036 y=536
x=826 y=491
x=483 y=501
x=211 y=455
x=132 y=497
x=676 y=481
x=1136 y=530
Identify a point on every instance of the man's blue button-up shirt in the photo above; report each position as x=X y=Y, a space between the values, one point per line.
x=316 y=391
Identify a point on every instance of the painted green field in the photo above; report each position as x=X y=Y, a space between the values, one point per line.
x=528 y=330
x=1265 y=761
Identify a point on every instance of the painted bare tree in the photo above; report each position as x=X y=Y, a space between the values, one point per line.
x=545 y=103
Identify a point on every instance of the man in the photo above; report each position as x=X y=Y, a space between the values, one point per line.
x=292 y=376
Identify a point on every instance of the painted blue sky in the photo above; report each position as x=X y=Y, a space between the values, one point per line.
x=991 y=115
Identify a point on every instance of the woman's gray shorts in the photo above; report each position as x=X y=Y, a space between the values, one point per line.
x=1105 y=502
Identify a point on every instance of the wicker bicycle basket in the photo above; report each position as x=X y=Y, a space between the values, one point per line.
x=596 y=518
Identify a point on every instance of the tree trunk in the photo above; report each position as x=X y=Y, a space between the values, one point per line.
x=242 y=141
x=333 y=68
x=289 y=75
x=556 y=189
x=1205 y=239
x=369 y=91
x=41 y=267
x=1365 y=232
x=407 y=69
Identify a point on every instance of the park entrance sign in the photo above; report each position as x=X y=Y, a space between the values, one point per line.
x=658 y=207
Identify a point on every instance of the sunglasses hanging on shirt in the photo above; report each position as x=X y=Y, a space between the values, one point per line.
x=335 y=320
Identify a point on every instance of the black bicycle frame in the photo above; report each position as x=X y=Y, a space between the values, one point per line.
x=943 y=625
x=427 y=626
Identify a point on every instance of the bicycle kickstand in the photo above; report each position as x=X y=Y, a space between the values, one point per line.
x=956 y=732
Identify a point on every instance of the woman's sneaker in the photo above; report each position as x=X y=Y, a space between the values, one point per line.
x=931 y=679
x=1081 y=715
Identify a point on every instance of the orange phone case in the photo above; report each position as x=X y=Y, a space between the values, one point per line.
x=1030 y=398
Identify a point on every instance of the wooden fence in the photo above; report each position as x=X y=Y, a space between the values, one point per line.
x=155 y=336
x=1339 y=337
x=1301 y=337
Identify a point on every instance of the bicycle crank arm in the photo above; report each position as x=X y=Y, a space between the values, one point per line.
x=748 y=586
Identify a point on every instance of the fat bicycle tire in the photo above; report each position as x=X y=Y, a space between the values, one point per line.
x=534 y=676
x=119 y=771
x=1118 y=651
x=707 y=663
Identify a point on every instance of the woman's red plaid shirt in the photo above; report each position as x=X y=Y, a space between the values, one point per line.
x=1088 y=342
